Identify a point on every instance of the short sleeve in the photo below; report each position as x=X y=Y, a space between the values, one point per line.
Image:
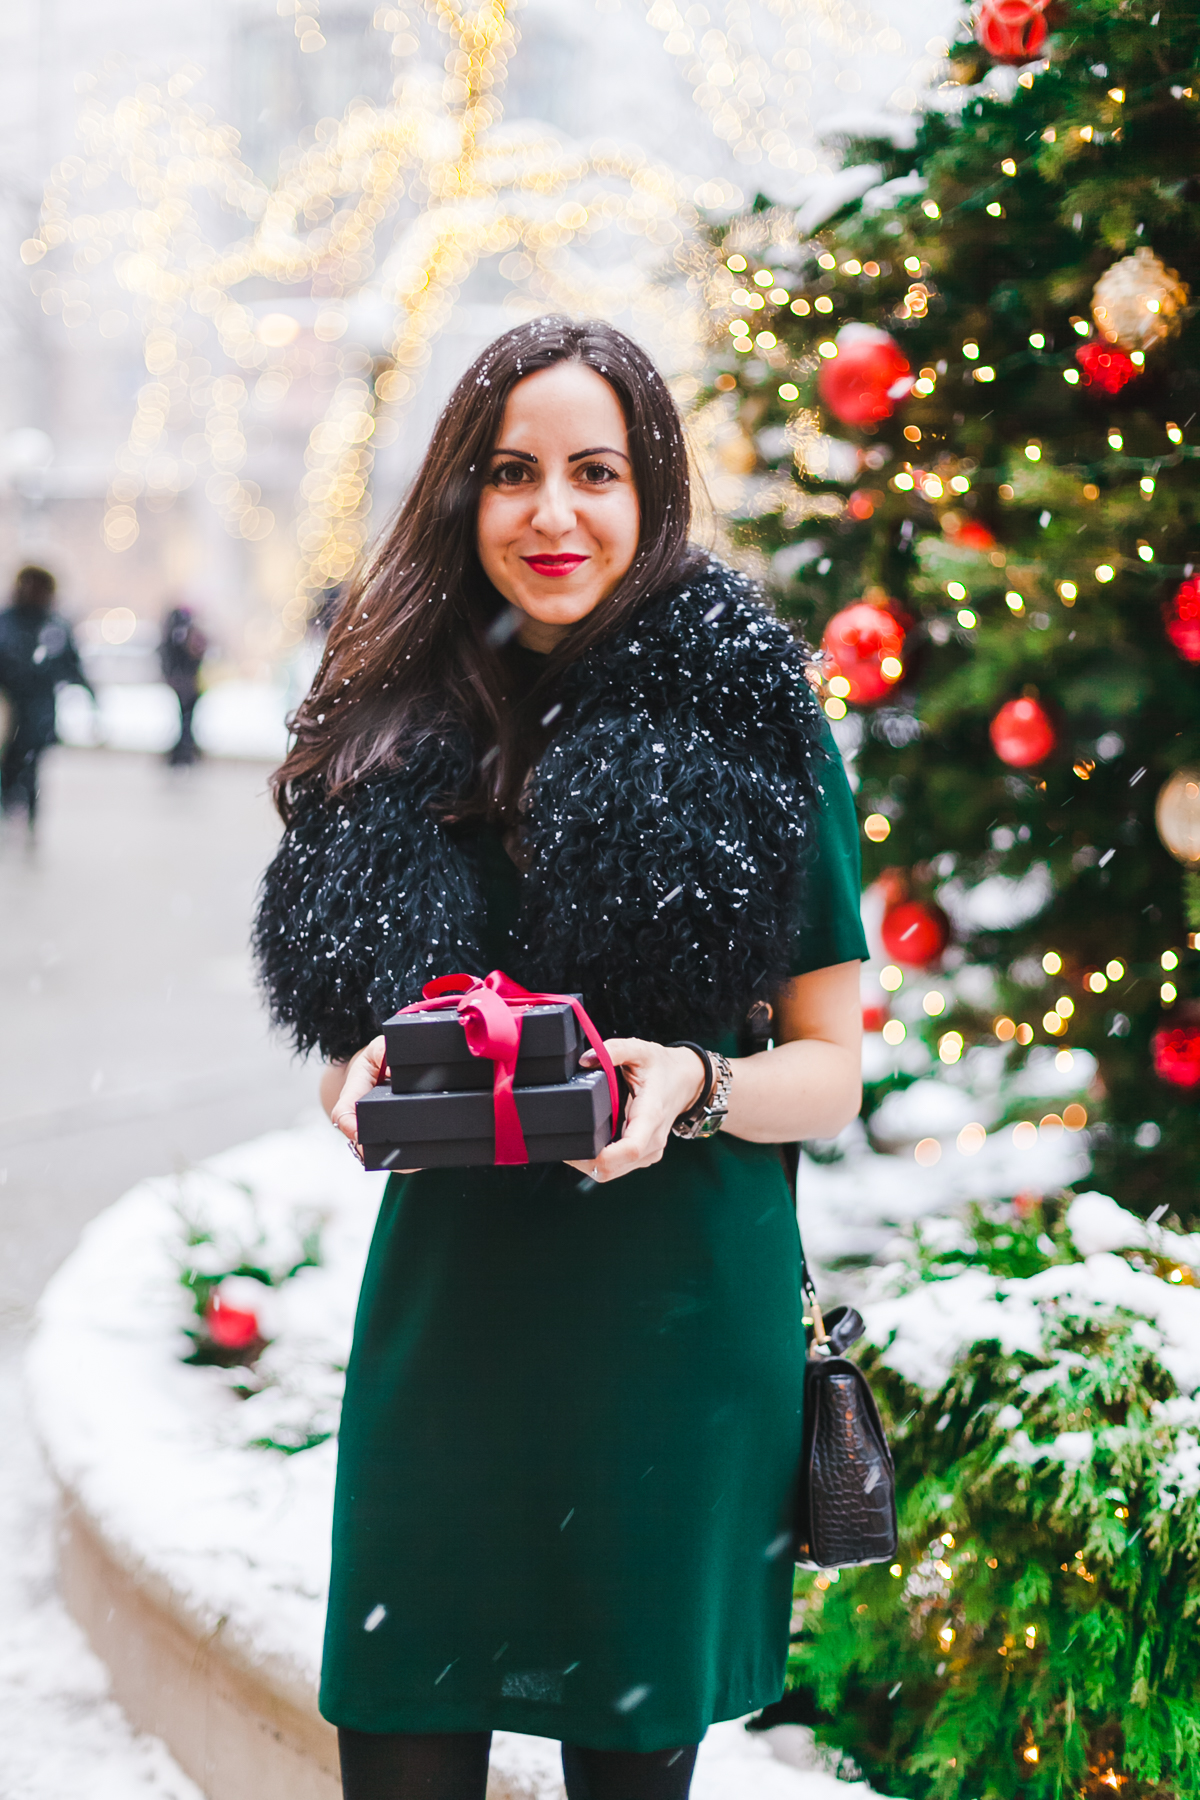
x=830 y=926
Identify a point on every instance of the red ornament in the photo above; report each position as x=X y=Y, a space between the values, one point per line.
x=1105 y=365
x=875 y=1016
x=974 y=536
x=229 y=1326
x=1022 y=734
x=1011 y=31
x=1176 y=1051
x=915 y=932
x=1182 y=614
x=861 y=384
x=858 y=641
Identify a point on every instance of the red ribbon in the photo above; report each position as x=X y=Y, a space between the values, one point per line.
x=491 y=1011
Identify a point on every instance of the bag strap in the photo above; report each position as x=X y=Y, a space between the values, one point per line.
x=756 y=1035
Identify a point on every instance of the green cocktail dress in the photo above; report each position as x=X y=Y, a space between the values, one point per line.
x=572 y=1424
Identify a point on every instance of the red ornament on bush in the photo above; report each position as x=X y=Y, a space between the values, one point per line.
x=1011 y=31
x=1182 y=614
x=1022 y=734
x=1176 y=1052
x=862 y=383
x=859 y=642
x=230 y=1327
x=915 y=932
x=1106 y=366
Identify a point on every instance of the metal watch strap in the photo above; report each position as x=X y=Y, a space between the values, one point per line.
x=708 y=1115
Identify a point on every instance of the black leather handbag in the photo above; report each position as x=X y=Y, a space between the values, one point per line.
x=845 y=1506
x=846 y=1488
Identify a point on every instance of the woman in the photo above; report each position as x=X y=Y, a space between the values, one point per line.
x=572 y=1414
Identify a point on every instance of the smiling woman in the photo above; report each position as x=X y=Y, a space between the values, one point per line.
x=549 y=737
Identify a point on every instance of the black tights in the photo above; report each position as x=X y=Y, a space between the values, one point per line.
x=453 y=1765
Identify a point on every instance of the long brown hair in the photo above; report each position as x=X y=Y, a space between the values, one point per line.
x=417 y=645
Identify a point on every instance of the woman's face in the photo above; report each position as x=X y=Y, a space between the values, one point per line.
x=558 y=516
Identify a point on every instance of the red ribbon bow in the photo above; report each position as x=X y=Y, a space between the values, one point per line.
x=491 y=1012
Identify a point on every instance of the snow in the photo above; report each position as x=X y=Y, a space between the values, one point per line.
x=163 y=1456
x=924 y=1328
x=853 y=1208
x=1097 y=1223
x=998 y=902
x=63 y=1736
x=233 y=718
x=929 y=1108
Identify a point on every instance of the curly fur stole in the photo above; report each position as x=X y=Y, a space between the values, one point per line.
x=668 y=825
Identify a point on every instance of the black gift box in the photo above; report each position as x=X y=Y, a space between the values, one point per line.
x=427 y=1051
x=564 y=1122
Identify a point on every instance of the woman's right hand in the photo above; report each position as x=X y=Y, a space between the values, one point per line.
x=359 y=1076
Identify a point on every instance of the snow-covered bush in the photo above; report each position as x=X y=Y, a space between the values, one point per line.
x=1037 y=1635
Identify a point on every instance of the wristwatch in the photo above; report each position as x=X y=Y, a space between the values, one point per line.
x=706 y=1118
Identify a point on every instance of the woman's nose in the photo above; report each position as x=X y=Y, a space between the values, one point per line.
x=554 y=514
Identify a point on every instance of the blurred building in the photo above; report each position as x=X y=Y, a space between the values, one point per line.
x=187 y=519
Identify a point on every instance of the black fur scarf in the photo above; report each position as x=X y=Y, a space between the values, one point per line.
x=668 y=824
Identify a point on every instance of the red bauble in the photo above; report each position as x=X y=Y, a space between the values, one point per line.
x=229 y=1326
x=971 y=535
x=1182 y=614
x=915 y=932
x=1176 y=1051
x=1022 y=734
x=1105 y=365
x=875 y=1016
x=1011 y=31
x=857 y=641
x=861 y=384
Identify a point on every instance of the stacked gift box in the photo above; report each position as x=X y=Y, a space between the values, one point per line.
x=438 y=1110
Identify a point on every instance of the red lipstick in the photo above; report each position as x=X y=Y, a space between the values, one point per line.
x=554 y=565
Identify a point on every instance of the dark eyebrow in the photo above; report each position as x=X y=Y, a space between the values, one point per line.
x=599 y=450
x=523 y=454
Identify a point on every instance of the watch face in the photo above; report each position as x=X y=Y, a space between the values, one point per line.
x=711 y=1124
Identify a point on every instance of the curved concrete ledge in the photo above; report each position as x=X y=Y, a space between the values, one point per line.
x=241 y=1730
x=239 y=1733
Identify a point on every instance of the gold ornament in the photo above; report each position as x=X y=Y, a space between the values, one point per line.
x=1177 y=816
x=1138 y=301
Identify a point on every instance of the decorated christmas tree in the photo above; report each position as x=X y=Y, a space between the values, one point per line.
x=959 y=437
x=963 y=423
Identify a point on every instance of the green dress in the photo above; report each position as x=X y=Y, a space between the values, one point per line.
x=571 y=1426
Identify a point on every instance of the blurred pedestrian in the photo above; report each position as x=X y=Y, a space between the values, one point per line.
x=38 y=655
x=181 y=654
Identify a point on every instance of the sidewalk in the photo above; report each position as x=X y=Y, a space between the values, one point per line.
x=134 y=1039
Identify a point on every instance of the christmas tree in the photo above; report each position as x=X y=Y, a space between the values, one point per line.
x=971 y=408
x=959 y=436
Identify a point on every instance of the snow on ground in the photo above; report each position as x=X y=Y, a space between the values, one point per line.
x=165 y=1457
x=235 y=718
x=62 y=1737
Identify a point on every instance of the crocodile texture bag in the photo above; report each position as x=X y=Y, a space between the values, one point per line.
x=846 y=1492
x=845 y=1508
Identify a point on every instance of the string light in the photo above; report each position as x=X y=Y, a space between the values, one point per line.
x=755 y=100
x=319 y=228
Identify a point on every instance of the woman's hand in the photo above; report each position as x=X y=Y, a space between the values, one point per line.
x=357 y=1077
x=663 y=1083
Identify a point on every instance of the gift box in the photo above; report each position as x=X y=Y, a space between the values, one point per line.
x=561 y=1122
x=427 y=1051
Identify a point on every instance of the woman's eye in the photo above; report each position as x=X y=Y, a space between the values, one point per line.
x=598 y=474
x=509 y=475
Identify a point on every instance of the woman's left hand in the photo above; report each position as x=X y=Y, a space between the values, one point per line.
x=663 y=1082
